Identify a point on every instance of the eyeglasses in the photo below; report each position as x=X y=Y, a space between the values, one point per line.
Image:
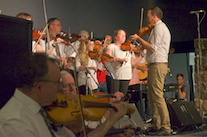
x=68 y=85
x=59 y=81
x=57 y=25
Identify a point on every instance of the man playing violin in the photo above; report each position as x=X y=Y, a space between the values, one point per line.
x=157 y=58
x=56 y=45
x=182 y=89
x=68 y=88
x=38 y=80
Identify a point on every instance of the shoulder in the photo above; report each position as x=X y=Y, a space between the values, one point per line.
x=161 y=25
x=185 y=88
x=111 y=45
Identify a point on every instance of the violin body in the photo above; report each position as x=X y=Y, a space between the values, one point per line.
x=36 y=34
x=74 y=37
x=96 y=55
x=145 y=30
x=67 y=109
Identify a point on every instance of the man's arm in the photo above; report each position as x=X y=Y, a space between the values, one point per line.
x=146 y=45
x=115 y=115
x=183 y=94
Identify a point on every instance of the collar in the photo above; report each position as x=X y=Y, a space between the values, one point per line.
x=27 y=101
x=160 y=21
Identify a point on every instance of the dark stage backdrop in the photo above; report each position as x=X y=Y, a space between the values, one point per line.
x=15 y=41
x=104 y=16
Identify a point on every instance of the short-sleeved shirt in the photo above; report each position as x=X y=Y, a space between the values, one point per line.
x=183 y=89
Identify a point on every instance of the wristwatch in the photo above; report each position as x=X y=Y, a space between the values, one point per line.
x=53 y=45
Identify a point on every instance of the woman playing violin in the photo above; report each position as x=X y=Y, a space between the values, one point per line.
x=84 y=48
x=123 y=70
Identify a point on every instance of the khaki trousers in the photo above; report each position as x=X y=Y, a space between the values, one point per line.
x=156 y=77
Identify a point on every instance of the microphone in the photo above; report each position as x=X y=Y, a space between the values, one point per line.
x=198 y=11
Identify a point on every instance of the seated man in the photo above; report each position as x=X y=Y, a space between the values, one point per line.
x=69 y=89
x=182 y=89
x=38 y=79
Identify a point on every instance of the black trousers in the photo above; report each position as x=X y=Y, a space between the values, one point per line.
x=114 y=85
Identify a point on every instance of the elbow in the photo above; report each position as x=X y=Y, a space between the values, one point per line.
x=151 y=50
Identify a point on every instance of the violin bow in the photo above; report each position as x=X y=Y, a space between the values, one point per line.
x=79 y=99
x=91 y=34
x=102 y=50
x=39 y=38
x=141 y=19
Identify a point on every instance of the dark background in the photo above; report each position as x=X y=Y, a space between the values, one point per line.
x=104 y=16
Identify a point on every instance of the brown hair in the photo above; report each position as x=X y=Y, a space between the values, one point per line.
x=23 y=15
x=180 y=75
x=51 y=21
x=157 y=11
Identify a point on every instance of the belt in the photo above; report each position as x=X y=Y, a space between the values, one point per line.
x=157 y=63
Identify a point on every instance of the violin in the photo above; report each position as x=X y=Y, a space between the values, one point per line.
x=103 y=97
x=146 y=29
x=97 y=46
x=74 y=37
x=67 y=109
x=65 y=37
x=37 y=34
x=96 y=55
x=180 y=86
x=127 y=45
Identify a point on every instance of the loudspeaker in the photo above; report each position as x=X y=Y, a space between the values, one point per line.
x=15 y=41
x=135 y=120
x=183 y=114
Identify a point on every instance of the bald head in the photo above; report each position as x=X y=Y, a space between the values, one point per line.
x=68 y=83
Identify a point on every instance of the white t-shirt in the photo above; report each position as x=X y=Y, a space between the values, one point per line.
x=123 y=71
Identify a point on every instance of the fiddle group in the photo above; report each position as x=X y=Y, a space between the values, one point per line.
x=64 y=46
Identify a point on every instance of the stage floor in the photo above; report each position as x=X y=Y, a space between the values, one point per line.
x=201 y=132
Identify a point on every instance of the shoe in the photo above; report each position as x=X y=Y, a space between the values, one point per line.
x=151 y=130
x=161 y=133
x=148 y=121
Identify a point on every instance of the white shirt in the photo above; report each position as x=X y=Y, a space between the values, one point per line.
x=82 y=75
x=20 y=117
x=160 y=40
x=123 y=71
x=70 y=49
x=71 y=53
x=53 y=54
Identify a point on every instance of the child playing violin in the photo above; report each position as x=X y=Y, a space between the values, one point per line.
x=123 y=70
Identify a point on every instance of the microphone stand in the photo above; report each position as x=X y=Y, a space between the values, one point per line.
x=47 y=32
x=199 y=60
